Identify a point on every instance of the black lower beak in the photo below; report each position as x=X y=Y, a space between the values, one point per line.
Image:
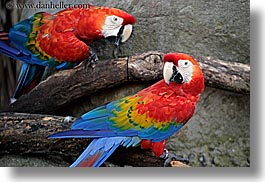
x=116 y=40
x=176 y=76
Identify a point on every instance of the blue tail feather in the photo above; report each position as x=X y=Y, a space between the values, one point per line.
x=100 y=149
x=30 y=76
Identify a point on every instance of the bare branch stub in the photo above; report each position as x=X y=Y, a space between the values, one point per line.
x=146 y=67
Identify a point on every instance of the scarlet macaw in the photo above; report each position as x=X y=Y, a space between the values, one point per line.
x=148 y=118
x=61 y=40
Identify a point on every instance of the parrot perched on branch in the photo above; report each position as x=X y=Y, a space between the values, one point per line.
x=147 y=118
x=61 y=40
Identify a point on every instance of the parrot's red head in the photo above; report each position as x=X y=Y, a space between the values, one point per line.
x=182 y=69
x=111 y=23
x=117 y=25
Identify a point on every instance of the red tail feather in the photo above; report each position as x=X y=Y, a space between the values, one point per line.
x=90 y=161
x=4 y=36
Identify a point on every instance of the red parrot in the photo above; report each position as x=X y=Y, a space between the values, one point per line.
x=61 y=40
x=148 y=118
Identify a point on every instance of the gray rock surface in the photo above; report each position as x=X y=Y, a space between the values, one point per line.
x=218 y=134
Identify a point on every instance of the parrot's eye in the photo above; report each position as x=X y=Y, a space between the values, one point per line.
x=113 y=21
x=184 y=63
x=116 y=20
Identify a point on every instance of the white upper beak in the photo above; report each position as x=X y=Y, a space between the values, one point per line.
x=168 y=71
x=127 y=31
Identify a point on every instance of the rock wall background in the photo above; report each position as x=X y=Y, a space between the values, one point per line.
x=218 y=134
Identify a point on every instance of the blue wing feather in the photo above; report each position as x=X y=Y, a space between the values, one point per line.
x=94 y=119
x=92 y=134
x=96 y=123
x=97 y=119
x=17 y=48
x=13 y=52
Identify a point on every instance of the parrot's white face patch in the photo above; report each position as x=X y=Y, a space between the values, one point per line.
x=112 y=26
x=184 y=68
x=112 y=22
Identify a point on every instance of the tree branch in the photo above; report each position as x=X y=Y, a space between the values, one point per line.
x=26 y=134
x=65 y=87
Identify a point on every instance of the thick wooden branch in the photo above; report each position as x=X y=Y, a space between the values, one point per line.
x=26 y=134
x=66 y=87
x=230 y=76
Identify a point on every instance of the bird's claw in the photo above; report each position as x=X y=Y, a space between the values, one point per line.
x=92 y=59
x=169 y=157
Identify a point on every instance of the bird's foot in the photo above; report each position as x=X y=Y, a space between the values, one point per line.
x=92 y=59
x=169 y=157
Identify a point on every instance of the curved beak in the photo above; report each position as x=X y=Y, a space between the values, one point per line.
x=126 y=33
x=167 y=71
x=123 y=35
x=171 y=73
